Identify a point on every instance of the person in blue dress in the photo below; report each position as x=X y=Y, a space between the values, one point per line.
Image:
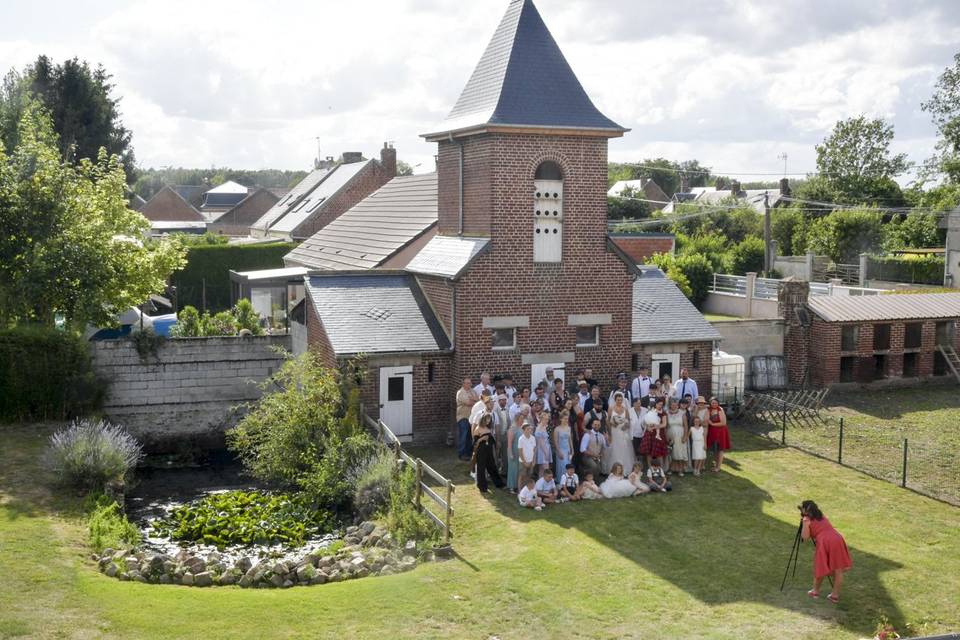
x=542 y=436
x=563 y=441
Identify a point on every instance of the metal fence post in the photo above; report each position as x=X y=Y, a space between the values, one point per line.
x=903 y=482
x=840 y=447
x=783 y=435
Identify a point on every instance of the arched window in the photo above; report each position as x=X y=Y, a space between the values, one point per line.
x=548 y=213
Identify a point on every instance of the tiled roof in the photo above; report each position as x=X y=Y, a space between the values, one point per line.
x=291 y=199
x=375 y=313
x=447 y=256
x=907 y=306
x=168 y=205
x=338 y=178
x=661 y=313
x=376 y=228
x=710 y=195
x=523 y=79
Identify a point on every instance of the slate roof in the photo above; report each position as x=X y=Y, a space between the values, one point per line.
x=291 y=199
x=376 y=228
x=523 y=79
x=908 y=306
x=375 y=313
x=335 y=180
x=447 y=256
x=661 y=313
x=168 y=205
x=710 y=195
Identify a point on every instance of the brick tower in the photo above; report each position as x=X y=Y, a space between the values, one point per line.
x=522 y=180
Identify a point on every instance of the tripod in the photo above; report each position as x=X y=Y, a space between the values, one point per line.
x=794 y=554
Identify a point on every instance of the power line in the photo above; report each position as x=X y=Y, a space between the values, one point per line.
x=714 y=172
x=749 y=205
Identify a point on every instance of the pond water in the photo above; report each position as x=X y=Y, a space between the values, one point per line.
x=161 y=488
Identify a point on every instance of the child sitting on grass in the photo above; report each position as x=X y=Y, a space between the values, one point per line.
x=528 y=496
x=636 y=478
x=569 y=484
x=588 y=489
x=656 y=478
x=547 y=488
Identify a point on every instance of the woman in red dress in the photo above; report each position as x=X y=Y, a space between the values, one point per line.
x=831 y=557
x=718 y=434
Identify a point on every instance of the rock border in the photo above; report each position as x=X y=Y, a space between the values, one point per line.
x=369 y=551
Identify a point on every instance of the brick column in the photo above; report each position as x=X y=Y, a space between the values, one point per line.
x=796 y=335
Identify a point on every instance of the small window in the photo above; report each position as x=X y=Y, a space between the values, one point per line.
x=395 y=389
x=504 y=338
x=913 y=335
x=881 y=337
x=910 y=365
x=849 y=337
x=588 y=336
x=945 y=333
x=430 y=372
x=848 y=367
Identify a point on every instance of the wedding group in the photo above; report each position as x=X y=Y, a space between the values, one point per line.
x=554 y=443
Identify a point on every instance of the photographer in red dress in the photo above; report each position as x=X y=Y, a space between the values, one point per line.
x=831 y=557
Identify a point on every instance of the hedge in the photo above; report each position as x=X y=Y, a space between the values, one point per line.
x=920 y=270
x=212 y=263
x=46 y=374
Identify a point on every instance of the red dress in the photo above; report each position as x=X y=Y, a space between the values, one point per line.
x=718 y=433
x=831 y=553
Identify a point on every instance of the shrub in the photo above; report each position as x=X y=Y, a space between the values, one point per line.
x=222 y=324
x=246 y=518
x=246 y=317
x=46 y=374
x=692 y=273
x=747 y=256
x=206 y=275
x=912 y=269
x=371 y=492
x=189 y=324
x=403 y=519
x=108 y=527
x=331 y=478
x=88 y=455
x=845 y=234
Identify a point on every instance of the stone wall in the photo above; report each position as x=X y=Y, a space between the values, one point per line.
x=188 y=392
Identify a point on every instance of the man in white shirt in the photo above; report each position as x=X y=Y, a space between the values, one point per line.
x=685 y=386
x=520 y=400
x=641 y=384
x=501 y=422
x=592 y=445
x=466 y=398
x=548 y=379
x=508 y=388
x=484 y=384
x=584 y=393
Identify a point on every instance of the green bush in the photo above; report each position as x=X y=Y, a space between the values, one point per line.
x=403 y=519
x=692 y=273
x=189 y=324
x=247 y=518
x=746 y=257
x=108 y=527
x=210 y=264
x=246 y=317
x=371 y=492
x=222 y=324
x=845 y=234
x=89 y=455
x=46 y=374
x=914 y=269
x=331 y=478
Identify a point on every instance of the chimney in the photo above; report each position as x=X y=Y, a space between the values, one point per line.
x=784 y=187
x=735 y=188
x=349 y=157
x=797 y=317
x=388 y=158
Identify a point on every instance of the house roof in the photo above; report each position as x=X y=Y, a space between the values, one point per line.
x=376 y=228
x=229 y=187
x=908 y=306
x=291 y=199
x=710 y=195
x=661 y=313
x=333 y=181
x=447 y=256
x=168 y=205
x=192 y=193
x=523 y=80
x=622 y=185
x=375 y=313
x=248 y=210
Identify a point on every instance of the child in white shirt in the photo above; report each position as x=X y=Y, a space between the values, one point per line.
x=547 y=488
x=527 y=446
x=528 y=496
x=569 y=485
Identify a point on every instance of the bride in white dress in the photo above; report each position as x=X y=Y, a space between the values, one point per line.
x=616 y=486
x=621 y=440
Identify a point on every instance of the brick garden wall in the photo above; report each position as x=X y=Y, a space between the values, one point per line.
x=186 y=394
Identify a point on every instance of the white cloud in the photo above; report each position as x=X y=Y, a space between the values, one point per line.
x=734 y=84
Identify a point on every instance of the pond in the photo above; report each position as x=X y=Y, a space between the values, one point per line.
x=161 y=488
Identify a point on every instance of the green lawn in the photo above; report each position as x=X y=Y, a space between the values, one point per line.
x=705 y=561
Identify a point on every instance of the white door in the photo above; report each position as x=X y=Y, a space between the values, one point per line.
x=396 y=400
x=539 y=371
x=665 y=364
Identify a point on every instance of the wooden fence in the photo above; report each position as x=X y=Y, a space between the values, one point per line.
x=444 y=502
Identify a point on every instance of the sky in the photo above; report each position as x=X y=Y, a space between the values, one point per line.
x=734 y=84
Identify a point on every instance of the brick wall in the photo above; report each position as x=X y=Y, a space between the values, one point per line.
x=793 y=295
x=186 y=394
x=439 y=293
x=317 y=339
x=700 y=353
x=370 y=178
x=641 y=247
x=499 y=173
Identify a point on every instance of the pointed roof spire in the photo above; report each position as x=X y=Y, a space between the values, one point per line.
x=523 y=81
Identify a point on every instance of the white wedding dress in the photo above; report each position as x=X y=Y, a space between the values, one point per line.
x=621 y=443
x=617 y=487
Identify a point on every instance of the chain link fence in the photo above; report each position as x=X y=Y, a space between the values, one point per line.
x=884 y=452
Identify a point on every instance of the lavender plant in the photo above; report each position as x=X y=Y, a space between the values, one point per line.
x=89 y=454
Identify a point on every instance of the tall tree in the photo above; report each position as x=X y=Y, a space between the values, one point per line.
x=855 y=163
x=79 y=100
x=69 y=246
x=944 y=109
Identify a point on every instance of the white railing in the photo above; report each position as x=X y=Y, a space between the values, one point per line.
x=768 y=288
x=731 y=285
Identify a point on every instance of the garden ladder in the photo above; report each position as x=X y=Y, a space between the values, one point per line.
x=953 y=360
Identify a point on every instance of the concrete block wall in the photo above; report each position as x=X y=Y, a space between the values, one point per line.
x=189 y=391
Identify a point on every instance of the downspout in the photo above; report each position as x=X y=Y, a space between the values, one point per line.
x=453 y=318
x=460 y=187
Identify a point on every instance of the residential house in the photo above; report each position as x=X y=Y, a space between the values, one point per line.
x=236 y=220
x=645 y=188
x=755 y=198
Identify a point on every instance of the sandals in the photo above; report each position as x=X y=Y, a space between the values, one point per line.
x=813 y=594
x=835 y=599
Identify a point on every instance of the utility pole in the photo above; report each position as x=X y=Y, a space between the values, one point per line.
x=767 y=253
